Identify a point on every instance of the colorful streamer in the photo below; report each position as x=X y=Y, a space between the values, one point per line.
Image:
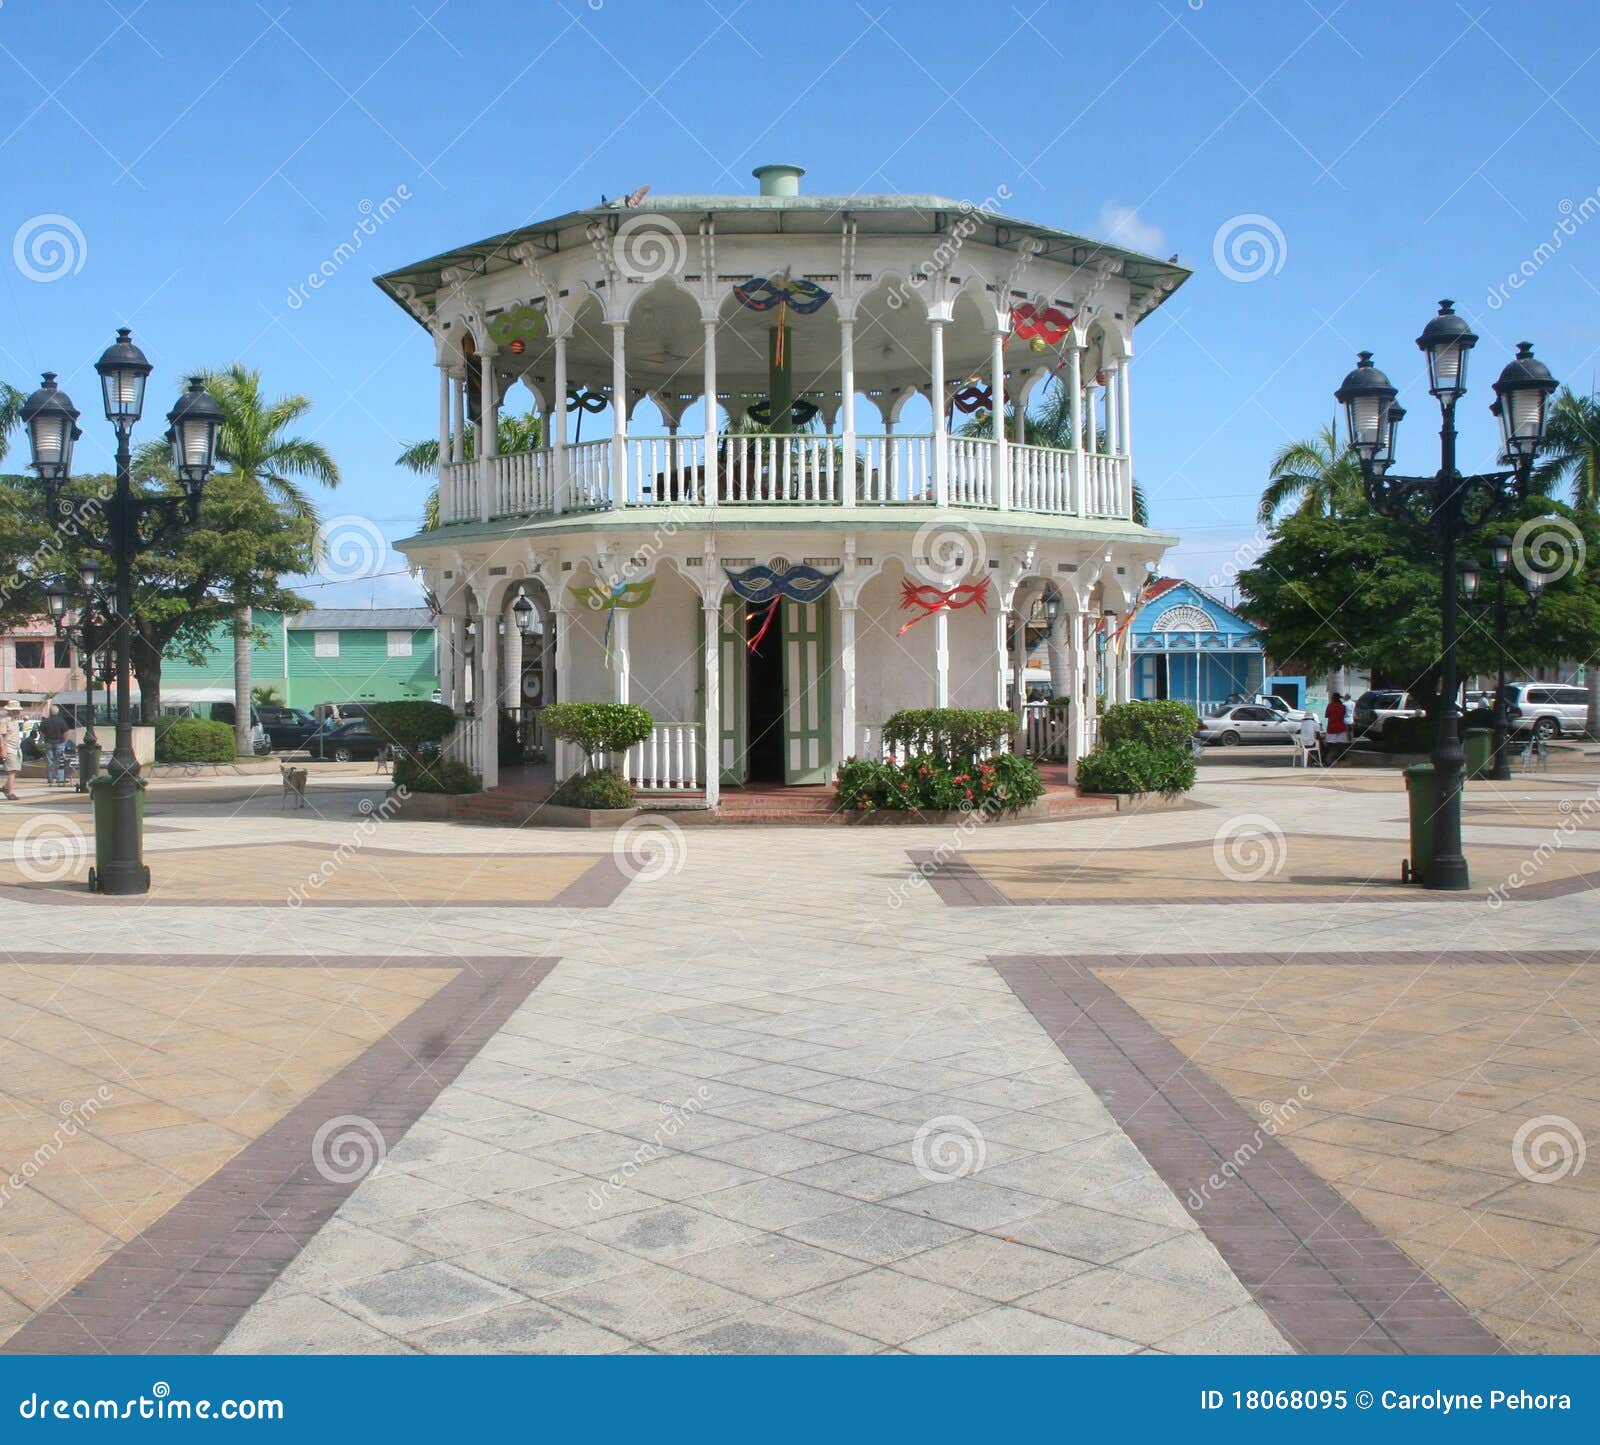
x=925 y=600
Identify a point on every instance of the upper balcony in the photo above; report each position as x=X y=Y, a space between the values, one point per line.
x=782 y=350
x=802 y=470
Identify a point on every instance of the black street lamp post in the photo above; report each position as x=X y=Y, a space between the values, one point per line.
x=135 y=524
x=87 y=635
x=1533 y=579
x=1447 y=501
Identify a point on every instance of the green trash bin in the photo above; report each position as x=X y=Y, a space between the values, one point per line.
x=100 y=801
x=1479 y=746
x=1422 y=795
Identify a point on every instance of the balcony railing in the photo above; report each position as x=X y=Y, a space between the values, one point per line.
x=795 y=470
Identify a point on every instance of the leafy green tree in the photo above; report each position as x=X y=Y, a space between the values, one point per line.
x=1319 y=474
x=1361 y=590
x=10 y=414
x=1572 y=457
x=522 y=432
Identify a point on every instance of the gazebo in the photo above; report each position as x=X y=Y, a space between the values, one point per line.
x=771 y=501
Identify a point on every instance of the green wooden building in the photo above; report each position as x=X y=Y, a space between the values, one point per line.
x=351 y=654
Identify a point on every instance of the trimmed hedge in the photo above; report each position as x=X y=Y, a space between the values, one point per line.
x=407 y=725
x=597 y=727
x=1157 y=723
x=1001 y=784
x=193 y=740
x=435 y=775
x=603 y=788
x=951 y=734
x=1137 y=767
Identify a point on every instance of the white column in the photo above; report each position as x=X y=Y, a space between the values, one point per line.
x=1019 y=662
x=711 y=612
x=444 y=417
x=997 y=388
x=1083 y=631
x=847 y=480
x=1125 y=668
x=1125 y=431
x=941 y=658
x=561 y=635
x=458 y=435
x=513 y=679
x=1113 y=410
x=488 y=435
x=563 y=485
x=619 y=415
x=488 y=696
x=1001 y=661
x=936 y=397
x=619 y=652
x=1075 y=399
x=711 y=482
x=547 y=662
x=847 y=680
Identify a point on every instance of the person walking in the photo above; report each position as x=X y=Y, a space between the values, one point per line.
x=1338 y=730
x=11 y=745
x=53 y=732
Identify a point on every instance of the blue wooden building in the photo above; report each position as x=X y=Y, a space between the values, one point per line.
x=1189 y=647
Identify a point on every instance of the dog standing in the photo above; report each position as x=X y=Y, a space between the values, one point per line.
x=294 y=786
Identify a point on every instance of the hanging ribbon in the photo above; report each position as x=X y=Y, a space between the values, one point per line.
x=623 y=596
x=1047 y=324
x=801 y=411
x=925 y=600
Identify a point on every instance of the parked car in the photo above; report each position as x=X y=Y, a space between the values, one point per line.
x=223 y=712
x=1547 y=709
x=1375 y=710
x=1246 y=722
x=288 y=728
x=1277 y=704
x=330 y=715
x=346 y=743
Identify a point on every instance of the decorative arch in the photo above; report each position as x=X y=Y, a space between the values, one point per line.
x=1184 y=617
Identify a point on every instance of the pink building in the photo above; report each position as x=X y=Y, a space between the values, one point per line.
x=35 y=665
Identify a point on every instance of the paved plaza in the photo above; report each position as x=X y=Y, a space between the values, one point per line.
x=1209 y=1079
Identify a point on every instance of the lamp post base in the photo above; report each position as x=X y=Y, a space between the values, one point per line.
x=1448 y=872
x=120 y=878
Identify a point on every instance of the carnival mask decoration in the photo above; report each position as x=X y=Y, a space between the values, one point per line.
x=781 y=291
x=621 y=596
x=768 y=586
x=516 y=327
x=925 y=600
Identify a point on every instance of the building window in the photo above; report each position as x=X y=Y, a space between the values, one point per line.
x=30 y=654
x=63 y=653
x=327 y=644
x=399 y=644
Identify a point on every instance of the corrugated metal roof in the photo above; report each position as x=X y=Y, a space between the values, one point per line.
x=358 y=619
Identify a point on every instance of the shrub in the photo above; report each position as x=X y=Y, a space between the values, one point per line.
x=597 y=727
x=1406 y=735
x=1136 y=767
x=435 y=775
x=1001 y=784
x=602 y=788
x=950 y=733
x=1159 y=724
x=408 y=725
x=193 y=740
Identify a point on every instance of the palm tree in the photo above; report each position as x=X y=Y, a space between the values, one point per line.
x=1318 y=475
x=1572 y=455
x=10 y=413
x=254 y=444
x=1051 y=426
x=517 y=433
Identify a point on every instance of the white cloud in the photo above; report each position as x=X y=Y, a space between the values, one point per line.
x=1123 y=225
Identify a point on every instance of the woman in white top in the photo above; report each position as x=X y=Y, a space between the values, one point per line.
x=11 y=745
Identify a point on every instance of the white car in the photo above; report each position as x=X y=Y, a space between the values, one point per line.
x=1248 y=722
x=1552 y=710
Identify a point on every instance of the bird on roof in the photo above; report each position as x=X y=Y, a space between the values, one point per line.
x=628 y=202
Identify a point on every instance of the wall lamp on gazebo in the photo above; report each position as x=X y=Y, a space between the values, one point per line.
x=522 y=608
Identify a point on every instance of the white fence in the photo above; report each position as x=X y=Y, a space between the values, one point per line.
x=671 y=759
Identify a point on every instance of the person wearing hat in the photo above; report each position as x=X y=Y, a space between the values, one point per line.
x=11 y=745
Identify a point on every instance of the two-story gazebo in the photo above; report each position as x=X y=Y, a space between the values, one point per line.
x=786 y=528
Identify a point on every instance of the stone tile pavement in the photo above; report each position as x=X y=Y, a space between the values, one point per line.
x=777 y=1097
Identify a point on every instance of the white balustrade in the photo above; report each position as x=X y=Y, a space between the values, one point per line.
x=524 y=483
x=458 y=492
x=1041 y=480
x=970 y=471
x=669 y=760
x=667 y=470
x=588 y=476
x=1107 y=493
x=801 y=468
x=896 y=468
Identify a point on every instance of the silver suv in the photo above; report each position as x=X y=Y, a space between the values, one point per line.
x=1547 y=709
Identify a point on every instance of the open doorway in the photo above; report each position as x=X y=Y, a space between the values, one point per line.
x=764 y=696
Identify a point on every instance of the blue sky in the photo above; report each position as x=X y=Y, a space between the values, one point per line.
x=207 y=158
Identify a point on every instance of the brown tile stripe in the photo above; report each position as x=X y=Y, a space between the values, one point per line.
x=181 y=1285
x=599 y=886
x=958 y=882
x=1325 y=1275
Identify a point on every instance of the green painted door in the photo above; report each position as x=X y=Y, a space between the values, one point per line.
x=731 y=644
x=806 y=722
